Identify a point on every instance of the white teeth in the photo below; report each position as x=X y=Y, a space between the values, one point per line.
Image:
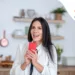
x=35 y=35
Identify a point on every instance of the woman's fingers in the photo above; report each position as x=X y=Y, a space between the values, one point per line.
x=31 y=54
x=28 y=56
x=34 y=51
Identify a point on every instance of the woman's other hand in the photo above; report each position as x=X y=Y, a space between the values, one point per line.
x=27 y=61
x=33 y=56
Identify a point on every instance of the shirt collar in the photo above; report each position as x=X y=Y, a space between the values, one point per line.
x=39 y=47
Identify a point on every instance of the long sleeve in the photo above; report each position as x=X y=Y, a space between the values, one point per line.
x=16 y=70
x=51 y=67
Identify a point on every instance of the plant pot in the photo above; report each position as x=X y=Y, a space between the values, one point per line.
x=58 y=58
x=58 y=16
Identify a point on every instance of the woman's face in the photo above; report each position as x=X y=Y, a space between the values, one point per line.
x=36 y=32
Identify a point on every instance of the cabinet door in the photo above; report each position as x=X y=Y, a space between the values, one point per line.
x=4 y=72
x=63 y=73
x=1 y=73
x=72 y=72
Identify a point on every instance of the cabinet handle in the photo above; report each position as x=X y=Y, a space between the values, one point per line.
x=58 y=72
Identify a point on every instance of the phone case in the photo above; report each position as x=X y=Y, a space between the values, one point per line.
x=32 y=46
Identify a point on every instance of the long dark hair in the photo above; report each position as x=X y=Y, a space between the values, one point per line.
x=46 y=41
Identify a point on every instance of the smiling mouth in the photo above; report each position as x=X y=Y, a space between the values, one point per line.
x=35 y=36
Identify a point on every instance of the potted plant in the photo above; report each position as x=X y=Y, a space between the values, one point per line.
x=58 y=13
x=59 y=52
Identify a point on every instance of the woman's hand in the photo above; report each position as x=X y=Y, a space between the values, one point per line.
x=27 y=60
x=33 y=56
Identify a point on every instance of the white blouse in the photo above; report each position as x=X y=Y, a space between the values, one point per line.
x=50 y=68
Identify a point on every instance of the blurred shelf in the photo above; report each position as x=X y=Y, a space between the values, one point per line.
x=19 y=36
x=19 y=19
x=25 y=37
x=57 y=37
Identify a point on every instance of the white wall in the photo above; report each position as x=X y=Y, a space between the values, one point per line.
x=10 y=8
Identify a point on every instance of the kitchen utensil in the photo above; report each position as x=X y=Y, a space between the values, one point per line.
x=26 y=30
x=31 y=13
x=22 y=13
x=8 y=58
x=4 y=41
x=18 y=32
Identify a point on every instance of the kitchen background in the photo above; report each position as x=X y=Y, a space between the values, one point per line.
x=11 y=8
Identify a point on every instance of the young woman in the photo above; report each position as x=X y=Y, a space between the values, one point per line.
x=44 y=59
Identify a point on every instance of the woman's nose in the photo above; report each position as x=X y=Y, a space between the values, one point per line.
x=35 y=30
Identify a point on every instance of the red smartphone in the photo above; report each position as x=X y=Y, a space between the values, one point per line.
x=32 y=46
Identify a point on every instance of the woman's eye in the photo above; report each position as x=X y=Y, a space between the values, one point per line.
x=36 y=27
x=39 y=28
x=33 y=28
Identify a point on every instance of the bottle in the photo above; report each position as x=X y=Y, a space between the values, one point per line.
x=1 y=58
x=22 y=13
